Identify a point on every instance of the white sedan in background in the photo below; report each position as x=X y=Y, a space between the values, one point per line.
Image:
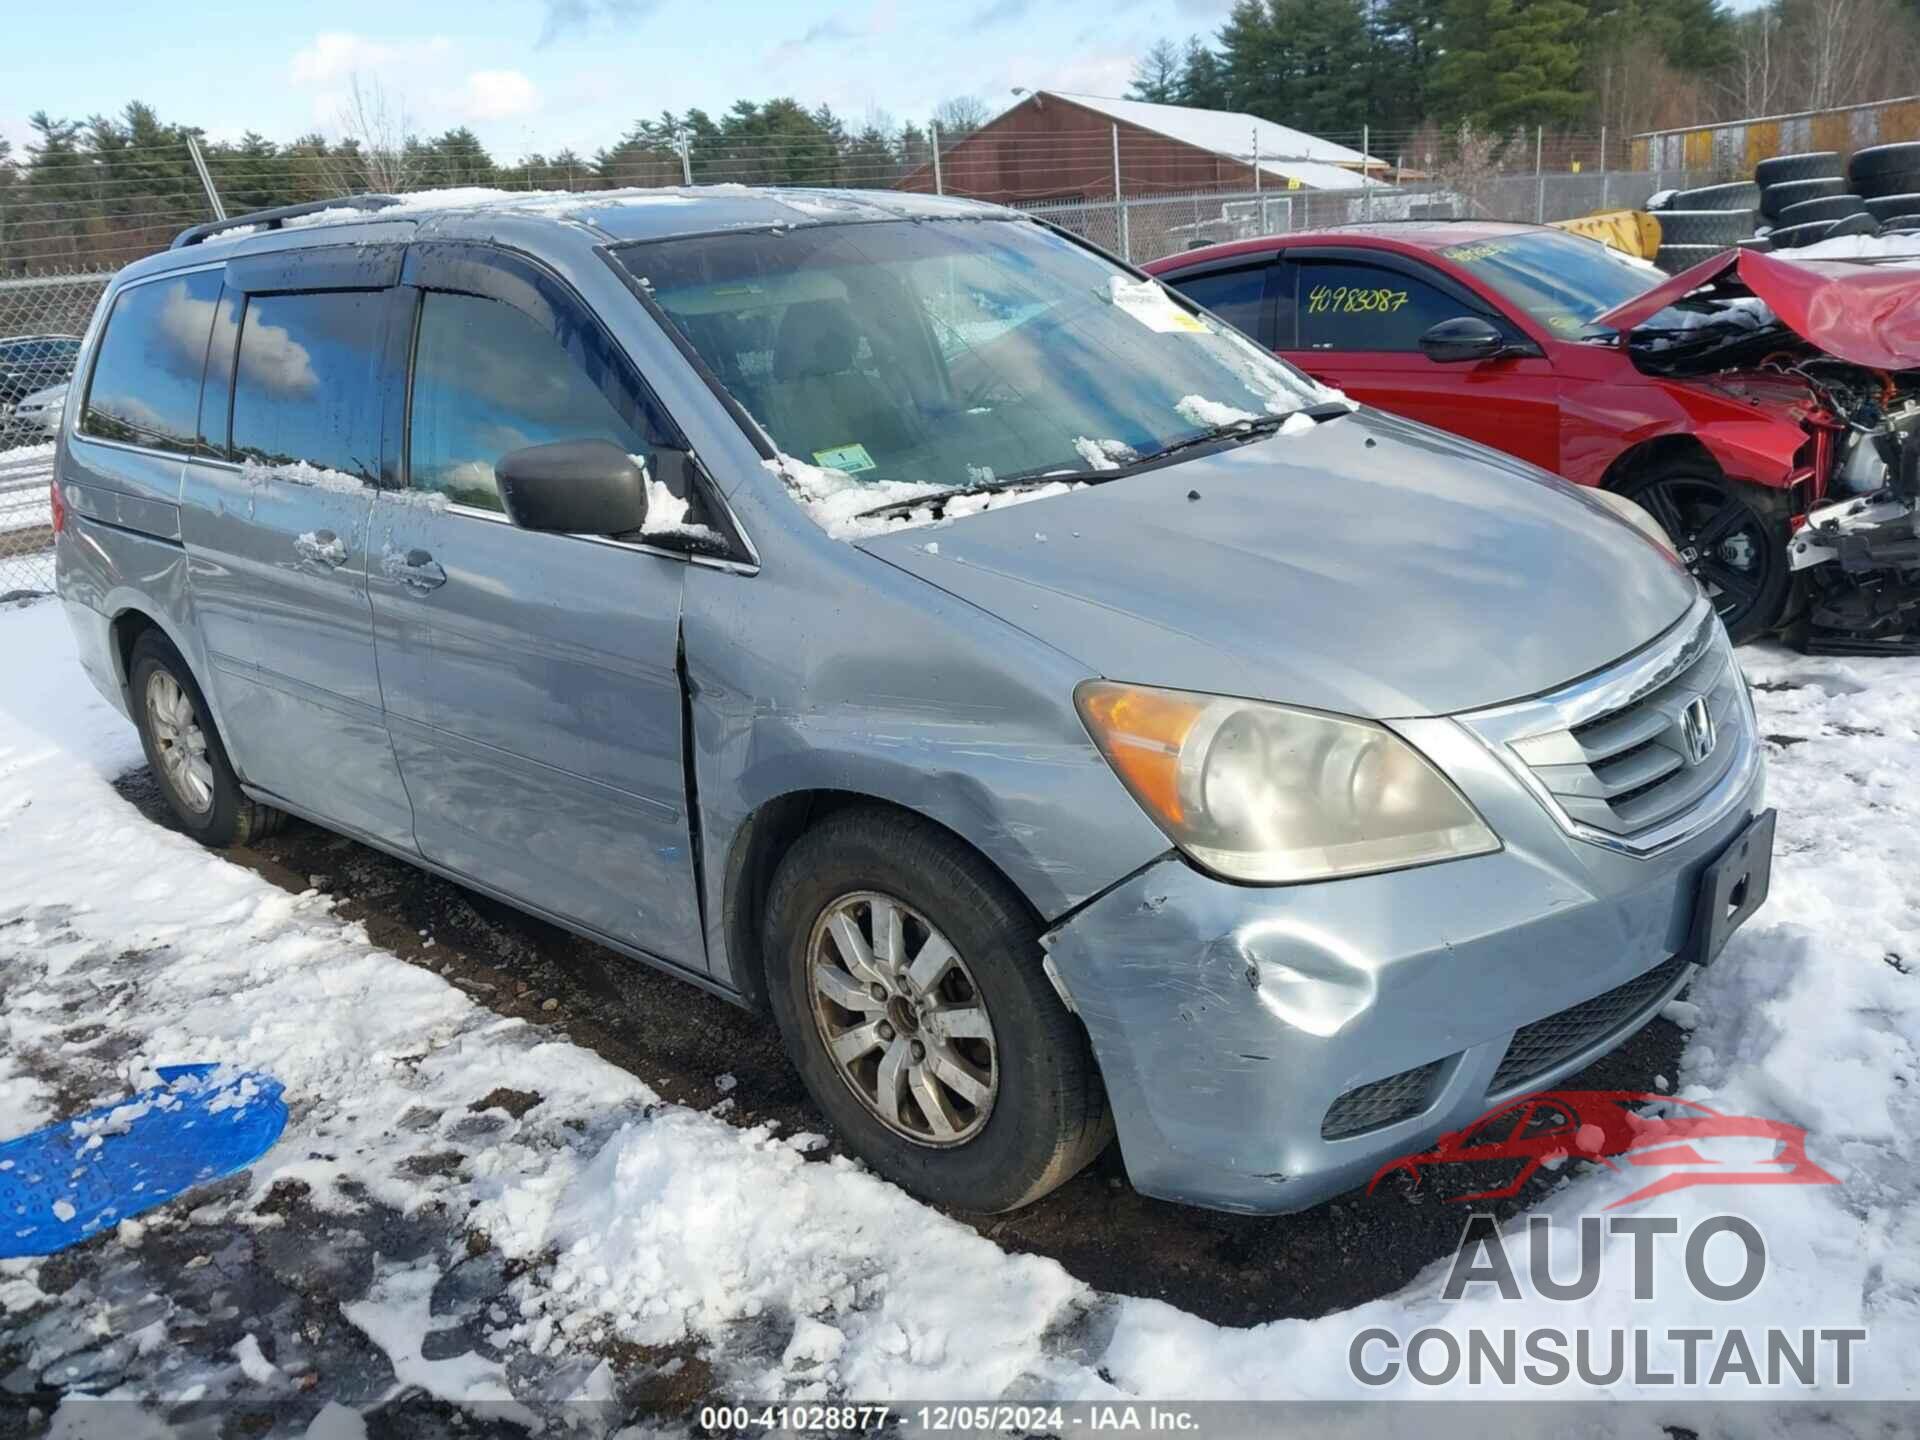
x=33 y=417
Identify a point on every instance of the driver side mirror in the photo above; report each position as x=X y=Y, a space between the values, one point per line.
x=1468 y=337
x=576 y=487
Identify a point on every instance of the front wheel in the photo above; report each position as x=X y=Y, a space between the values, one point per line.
x=1727 y=537
x=906 y=978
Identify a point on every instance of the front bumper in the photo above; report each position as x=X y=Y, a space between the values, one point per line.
x=1229 y=1020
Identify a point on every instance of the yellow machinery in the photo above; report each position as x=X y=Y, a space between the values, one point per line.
x=1633 y=232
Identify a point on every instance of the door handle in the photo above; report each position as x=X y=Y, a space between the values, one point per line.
x=418 y=570
x=322 y=547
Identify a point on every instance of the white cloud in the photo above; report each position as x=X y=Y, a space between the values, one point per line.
x=498 y=95
x=337 y=54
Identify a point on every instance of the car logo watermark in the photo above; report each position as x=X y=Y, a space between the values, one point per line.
x=1692 y=1144
x=1769 y=1357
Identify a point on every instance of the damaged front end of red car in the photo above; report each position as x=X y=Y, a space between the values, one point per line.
x=1832 y=345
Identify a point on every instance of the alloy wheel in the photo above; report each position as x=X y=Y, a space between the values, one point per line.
x=902 y=1020
x=180 y=742
x=1724 y=543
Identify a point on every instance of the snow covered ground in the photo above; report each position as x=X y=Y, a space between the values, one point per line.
x=505 y=1221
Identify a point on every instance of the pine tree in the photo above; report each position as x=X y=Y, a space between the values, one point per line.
x=1156 y=75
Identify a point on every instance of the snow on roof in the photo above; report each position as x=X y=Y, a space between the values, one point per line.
x=1284 y=151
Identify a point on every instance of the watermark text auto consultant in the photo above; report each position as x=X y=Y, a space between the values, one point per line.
x=1725 y=1260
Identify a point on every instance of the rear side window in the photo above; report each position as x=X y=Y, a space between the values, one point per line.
x=146 y=381
x=306 y=381
x=1344 y=305
x=488 y=380
x=1236 y=296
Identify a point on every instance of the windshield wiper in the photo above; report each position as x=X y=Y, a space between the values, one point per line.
x=1236 y=430
x=1233 y=430
x=938 y=498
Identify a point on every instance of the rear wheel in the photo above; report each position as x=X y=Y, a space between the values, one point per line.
x=906 y=978
x=1728 y=537
x=184 y=751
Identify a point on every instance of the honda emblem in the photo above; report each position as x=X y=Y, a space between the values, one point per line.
x=1696 y=729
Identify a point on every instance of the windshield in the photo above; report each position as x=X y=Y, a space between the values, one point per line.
x=1561 y=280
x=909 y=357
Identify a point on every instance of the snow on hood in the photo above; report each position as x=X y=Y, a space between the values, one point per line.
x=1866 y=314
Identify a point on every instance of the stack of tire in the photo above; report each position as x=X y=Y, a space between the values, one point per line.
x=1792 y=201
x=1698 y=224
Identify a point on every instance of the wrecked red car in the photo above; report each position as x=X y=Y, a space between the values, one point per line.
x=1691 y=1143
x=1739 y=402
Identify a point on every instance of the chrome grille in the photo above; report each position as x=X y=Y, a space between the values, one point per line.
x=1618 y=757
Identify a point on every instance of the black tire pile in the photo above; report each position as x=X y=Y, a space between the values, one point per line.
x=1793 y=200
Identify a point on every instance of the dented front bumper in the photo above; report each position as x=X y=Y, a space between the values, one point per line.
x=1228 y=1020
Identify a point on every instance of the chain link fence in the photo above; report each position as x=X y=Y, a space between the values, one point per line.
x=1143 y=229
x=41 y=316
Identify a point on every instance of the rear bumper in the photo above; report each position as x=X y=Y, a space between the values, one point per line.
x=1229 y=1022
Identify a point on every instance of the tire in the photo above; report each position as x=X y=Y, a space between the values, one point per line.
x=1775 y=198
x=1860 y=224
x=185 y=753
x=1879 y=161
x=1792 y=237
x=1810 y=165
x=1045 y=1115
x=1894 y=182
x=1893 y=207
x=1675 y=258
x=1740 y=195
x=1705 y=227
x=1746 y=540
x=1829 y=207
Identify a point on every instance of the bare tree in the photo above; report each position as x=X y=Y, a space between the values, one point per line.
x=1470 y=170
x=961 y=115
x=1846 y=50
x=1755 y=81
x=376 y=152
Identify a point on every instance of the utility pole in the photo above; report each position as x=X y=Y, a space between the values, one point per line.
x=1119 y=202
x=1604 y=187
x=685 y=147
x=1256 y=179
x=206 y=179
x=933 y=131
x=1366 y=176
x=1539 y=179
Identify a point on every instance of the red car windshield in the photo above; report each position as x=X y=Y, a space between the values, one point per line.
x=1563 y=281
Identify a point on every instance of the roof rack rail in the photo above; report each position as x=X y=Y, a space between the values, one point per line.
x=275 y=219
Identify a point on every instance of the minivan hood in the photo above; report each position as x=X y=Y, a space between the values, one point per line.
x=1372 y=566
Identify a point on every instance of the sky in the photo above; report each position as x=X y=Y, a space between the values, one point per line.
x=548 y=74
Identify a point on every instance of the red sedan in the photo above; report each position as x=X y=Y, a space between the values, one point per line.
x=1723 y=423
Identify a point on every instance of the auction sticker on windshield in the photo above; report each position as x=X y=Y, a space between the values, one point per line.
x=850 y=458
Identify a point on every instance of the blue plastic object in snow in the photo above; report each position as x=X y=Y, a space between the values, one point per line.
x=63 y=1184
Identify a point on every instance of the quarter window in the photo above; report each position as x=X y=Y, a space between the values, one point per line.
x=305 y=385
x=1344 y=305
x=488 y=380
x=145 y=388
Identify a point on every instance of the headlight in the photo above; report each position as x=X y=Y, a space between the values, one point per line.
x=1270 y=794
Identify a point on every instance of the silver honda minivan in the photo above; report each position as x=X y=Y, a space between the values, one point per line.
x=894 y=613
